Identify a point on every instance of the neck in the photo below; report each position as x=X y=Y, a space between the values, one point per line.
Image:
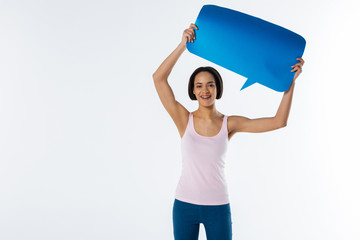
x=207 y=112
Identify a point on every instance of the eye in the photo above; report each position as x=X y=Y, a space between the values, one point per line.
x=198 y=86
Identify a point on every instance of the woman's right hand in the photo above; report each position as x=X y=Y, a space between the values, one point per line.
x=189 y=34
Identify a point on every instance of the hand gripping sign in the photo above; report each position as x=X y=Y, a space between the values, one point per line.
x=256 y=49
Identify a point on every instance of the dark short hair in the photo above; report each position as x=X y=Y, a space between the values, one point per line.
x=216 y=75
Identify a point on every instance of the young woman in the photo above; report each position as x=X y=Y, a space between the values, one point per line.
x=201 y=195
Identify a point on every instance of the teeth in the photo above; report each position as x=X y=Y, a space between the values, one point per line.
x=205 y=97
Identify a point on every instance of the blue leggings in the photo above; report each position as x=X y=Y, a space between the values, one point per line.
x=187 y=218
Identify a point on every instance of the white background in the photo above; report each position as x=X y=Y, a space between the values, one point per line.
x=87 y=151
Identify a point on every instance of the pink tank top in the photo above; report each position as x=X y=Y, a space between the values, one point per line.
x=202 y=180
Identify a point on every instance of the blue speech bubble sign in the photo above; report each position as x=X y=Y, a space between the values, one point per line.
x=254 y=48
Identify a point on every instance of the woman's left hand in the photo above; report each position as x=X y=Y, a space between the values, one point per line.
x=297 y=68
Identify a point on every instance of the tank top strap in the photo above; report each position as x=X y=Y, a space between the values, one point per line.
x=189 y=127
x=224 y=125
x=191 y=122
x=223 y=130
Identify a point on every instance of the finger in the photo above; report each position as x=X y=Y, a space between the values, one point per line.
x=192 y=32
x=189 y=33
x=191 y=37
x=193 y=25
x=188 y=38
x=297 y=70
x=301 y=61
x=297 y=65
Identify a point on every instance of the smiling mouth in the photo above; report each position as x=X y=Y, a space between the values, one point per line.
x=205 y=97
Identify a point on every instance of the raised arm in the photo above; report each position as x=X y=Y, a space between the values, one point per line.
x=243 y=124
x=178 y=112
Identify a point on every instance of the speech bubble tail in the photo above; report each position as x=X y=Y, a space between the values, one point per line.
x=248 y=83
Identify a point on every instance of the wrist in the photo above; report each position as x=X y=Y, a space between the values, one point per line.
x=182 y=46
x=291 y=88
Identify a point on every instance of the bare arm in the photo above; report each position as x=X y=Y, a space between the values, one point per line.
x=178 y=112
x=243 y=124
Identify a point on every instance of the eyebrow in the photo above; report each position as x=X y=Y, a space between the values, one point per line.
x=207 y=82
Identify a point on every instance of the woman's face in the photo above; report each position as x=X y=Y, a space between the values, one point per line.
x=205 y=88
